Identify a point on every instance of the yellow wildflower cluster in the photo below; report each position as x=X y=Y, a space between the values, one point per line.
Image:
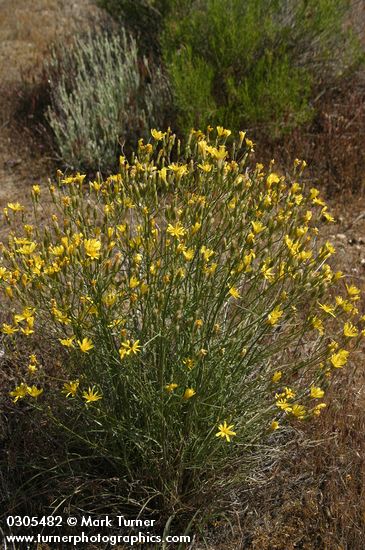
x=188 y=284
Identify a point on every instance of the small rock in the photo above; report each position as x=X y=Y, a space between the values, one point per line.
x=341 y=236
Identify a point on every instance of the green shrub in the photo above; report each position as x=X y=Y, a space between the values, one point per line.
x=142 y=18
x=102 y=95
x=193 y=314
x=263 y=59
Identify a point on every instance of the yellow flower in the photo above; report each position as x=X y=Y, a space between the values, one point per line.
x=15 y=206
x=289 y=393
x=327 y=309
x=188 y=254
x=316 y=392
x=33 y=391
x=272 y=178
x=317 y=409
x=57 y=250
x=339 y=359
x=92 y=248
x=327 y=216
x=27 y=331
x=176 y=230
x=195 y=228
x=257 y=227
x=128 y=347
x=207 y=253
x=234 y=292
x=157 y=135
x=27 y=248
x=353 y=292
x=318 y=325
x=91 y=395
x=32 y=368
x=26 y=314
x=8 y=329
x=179 y=171
x=189 y=392
x=242 y=137
x=274 y=317
x=135 y=347
x=250 y=144
x=67 y=342
x=284 y=405
x=60 y=316
x=133 y=282
x=225 y=431
x=277 y=376
x=350 y=330
x=222 y=132
x=36 y=189
x=171 y=387
x=70 y=388
x=86 y=345
x=206 y=167
x=219 y=154
x=189 y=363
x=274 y=425
x=19 y=392
x=268 y=273
x=298 y=411
x=163 y=174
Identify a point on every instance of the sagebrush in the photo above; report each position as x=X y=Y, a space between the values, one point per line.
x=102 y=96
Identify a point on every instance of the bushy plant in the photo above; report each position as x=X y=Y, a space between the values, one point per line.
x=192 y=307
x=143 y=18
x=263 y=59
x=102 y=94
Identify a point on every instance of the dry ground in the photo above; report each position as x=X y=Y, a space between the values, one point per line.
x=316 y=498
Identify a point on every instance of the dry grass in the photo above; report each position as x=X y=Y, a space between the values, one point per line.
x=28 y=28
x=333 y=143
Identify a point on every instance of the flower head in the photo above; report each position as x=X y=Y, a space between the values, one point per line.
x=86 y=345
x=70 y=388
x=350 y=330
x=189 y=392
x=176 y=230
x=316 y=393
x=33 y=391
x=225 y=431
x=92 y=248
x=274 y=317
x=234 y=292
x=339 y=359
x=19 y=392
x=91 y=395
x=171 y=387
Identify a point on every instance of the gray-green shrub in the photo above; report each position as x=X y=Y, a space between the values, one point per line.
x=102 y=95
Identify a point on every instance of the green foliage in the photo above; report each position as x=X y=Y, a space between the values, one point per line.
x=102 y=95
x=142 y=18
x=193 y=84
x=262 y=58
